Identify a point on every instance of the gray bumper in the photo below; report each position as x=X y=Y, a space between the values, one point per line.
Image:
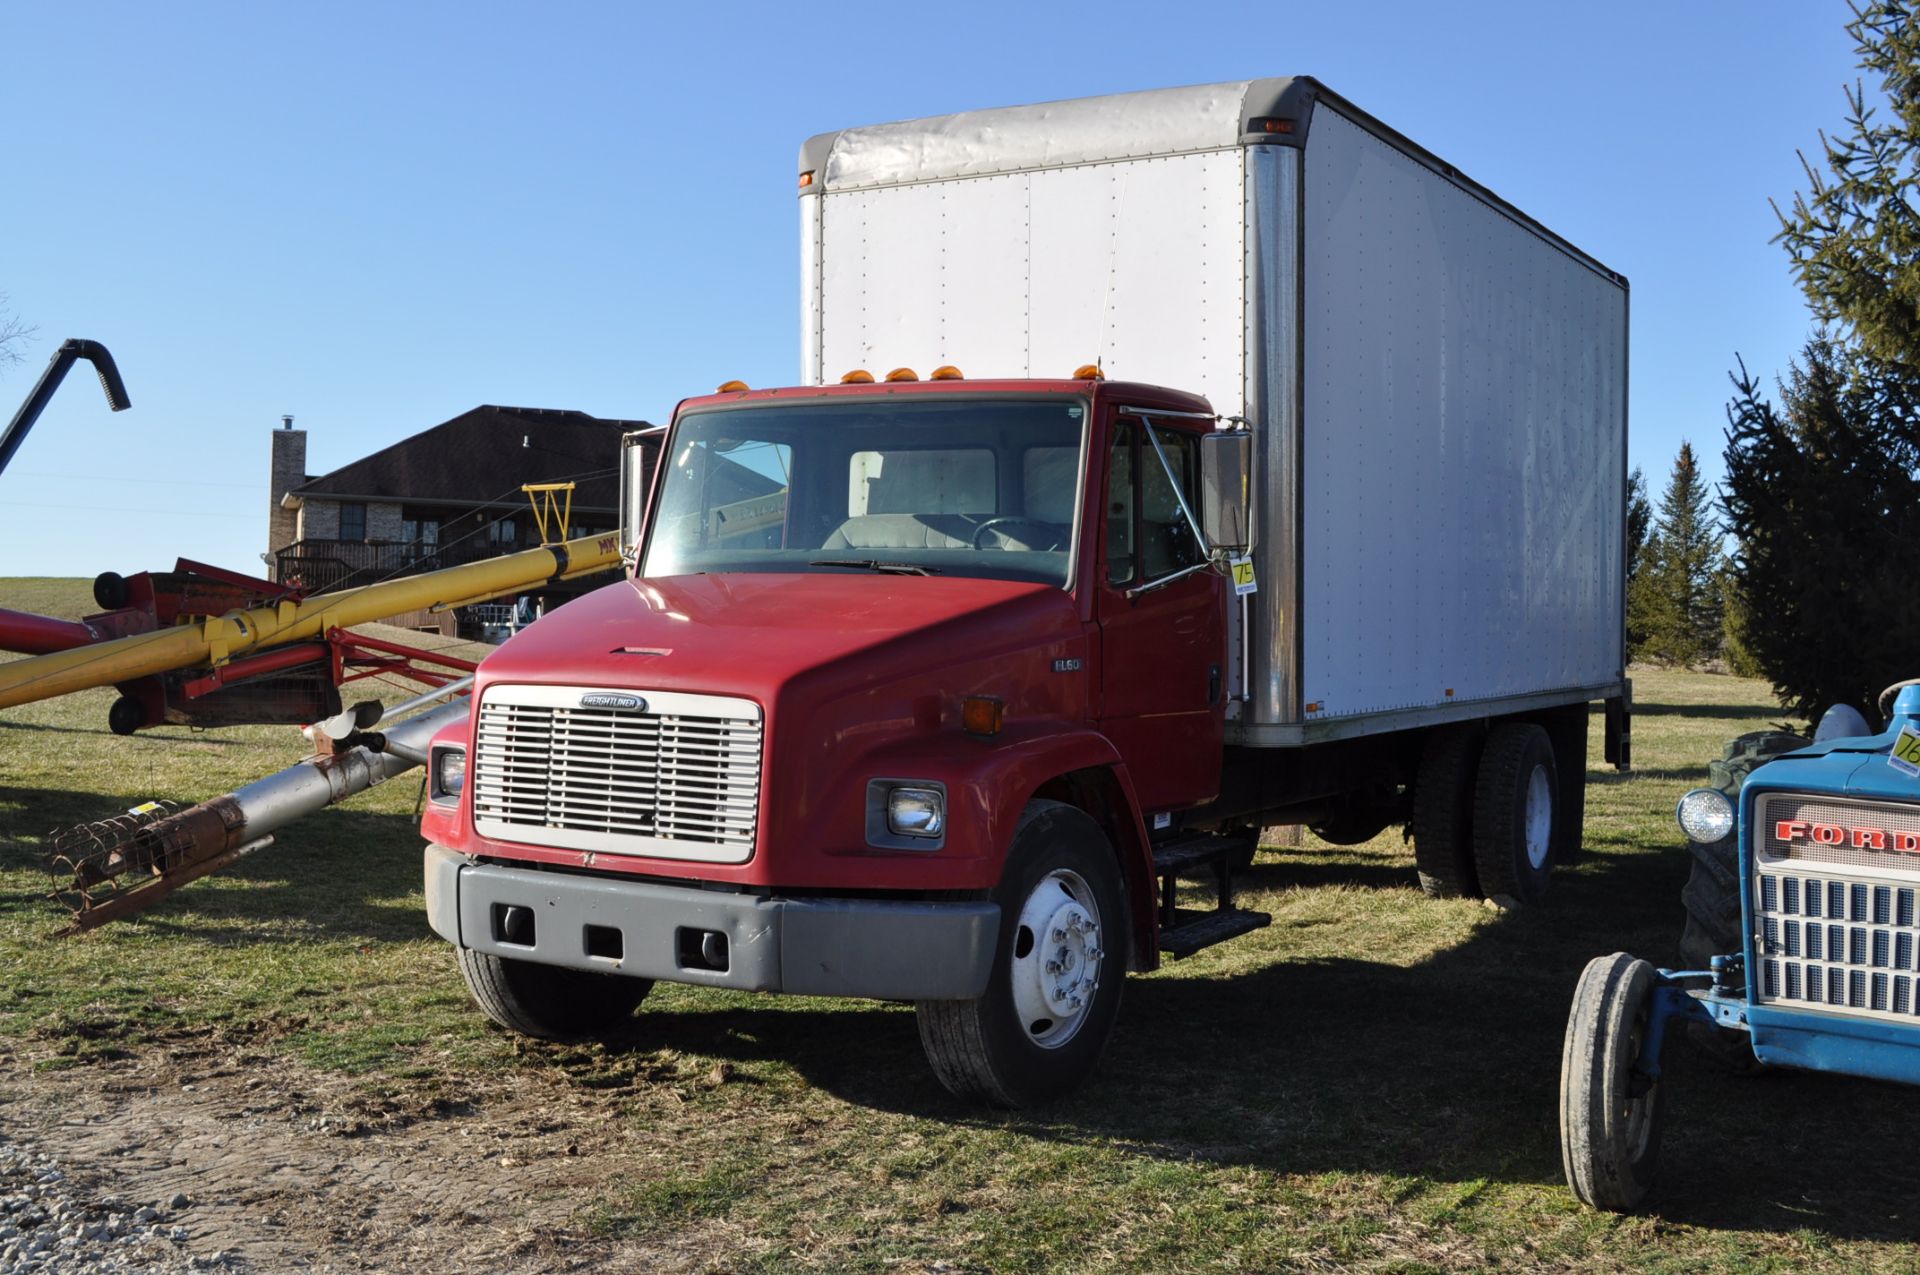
x=811 y=947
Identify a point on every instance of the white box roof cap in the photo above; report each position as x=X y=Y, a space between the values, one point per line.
x=1012 y=139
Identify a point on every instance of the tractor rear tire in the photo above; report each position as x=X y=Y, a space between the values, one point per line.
x=550 y=1002
x=1712 y=892
x=1609 y=1133
x=1711 y=895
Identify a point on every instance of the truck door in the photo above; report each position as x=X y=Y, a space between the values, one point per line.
x=1162 y=616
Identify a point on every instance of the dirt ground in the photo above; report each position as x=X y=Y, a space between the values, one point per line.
x=288 y=1169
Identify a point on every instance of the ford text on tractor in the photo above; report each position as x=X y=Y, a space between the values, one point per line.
x=1166 y=466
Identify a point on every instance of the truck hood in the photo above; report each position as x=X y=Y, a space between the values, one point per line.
x=746 y=634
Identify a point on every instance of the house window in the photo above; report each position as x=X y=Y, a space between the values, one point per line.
x=353 y=522
x=503 y=531
x=420 y=535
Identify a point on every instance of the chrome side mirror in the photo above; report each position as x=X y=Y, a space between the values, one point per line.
x=1226 y=489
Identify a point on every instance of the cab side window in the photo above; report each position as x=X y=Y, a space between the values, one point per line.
x=1121 y=535
x=1167 y=542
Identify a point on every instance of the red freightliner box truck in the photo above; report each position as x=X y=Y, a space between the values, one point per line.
x=1165 y=466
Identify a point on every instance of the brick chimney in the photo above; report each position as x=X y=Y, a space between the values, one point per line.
x=289 y=471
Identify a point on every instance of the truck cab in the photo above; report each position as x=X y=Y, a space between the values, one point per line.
x=887 y=651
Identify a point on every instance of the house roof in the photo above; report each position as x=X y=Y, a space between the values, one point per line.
x=483 y=456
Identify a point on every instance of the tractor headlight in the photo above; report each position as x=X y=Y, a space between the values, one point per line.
x=916 y=812
x=449 y=774
x=1705 y=815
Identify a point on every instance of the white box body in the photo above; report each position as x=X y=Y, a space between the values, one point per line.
x=1437 y=384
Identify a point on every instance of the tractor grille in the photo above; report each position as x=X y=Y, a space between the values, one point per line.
x=675 y=776
x=1835 y=905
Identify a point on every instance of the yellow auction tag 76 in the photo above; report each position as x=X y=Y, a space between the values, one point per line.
x=1905 y=757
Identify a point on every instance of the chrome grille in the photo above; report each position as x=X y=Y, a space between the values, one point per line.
x=1836 y=926
x=677 y=779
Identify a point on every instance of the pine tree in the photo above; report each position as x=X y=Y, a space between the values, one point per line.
x=1822 y=501
x=1854 y=236
x=1639 y=526
x=1676 y=599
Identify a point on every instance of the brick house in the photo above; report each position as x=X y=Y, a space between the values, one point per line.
x=446 y=496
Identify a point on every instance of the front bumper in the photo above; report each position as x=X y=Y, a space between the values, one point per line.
x=879 y=948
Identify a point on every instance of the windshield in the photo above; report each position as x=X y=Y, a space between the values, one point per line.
x=965 y=487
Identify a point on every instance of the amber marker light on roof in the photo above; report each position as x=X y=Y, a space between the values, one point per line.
x=1089 y=372
x=1267 y=124
x=806 y=180
x=731 y=387
x=981 y=715
x=947 y=372
x=859 y=376
x=903 y=374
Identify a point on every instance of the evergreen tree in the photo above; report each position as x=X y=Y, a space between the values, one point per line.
x=1676 y=599
x=1822 y=501
x=1639 y=526
x=1854 y=236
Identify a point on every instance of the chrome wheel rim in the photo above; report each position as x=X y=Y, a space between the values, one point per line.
x=1539 y=820
x=1055 y=965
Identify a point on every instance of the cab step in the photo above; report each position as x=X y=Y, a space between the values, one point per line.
x=1212 y=927
x=1200 y=854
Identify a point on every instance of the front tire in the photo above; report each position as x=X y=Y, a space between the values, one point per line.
x=1609 y=1133
x=1516 y=802
x=550 y=1002
x=1058 y=968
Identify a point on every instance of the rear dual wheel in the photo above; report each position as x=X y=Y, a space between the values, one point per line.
x=1486 y=809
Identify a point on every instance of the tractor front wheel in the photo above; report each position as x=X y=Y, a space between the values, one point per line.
x=1610 y=1112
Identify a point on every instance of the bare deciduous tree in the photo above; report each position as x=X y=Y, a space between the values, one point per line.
x=14 y=335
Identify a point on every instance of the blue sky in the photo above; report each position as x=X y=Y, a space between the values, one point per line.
x=377 y=216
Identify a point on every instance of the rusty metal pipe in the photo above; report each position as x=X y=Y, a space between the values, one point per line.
x=170 y=851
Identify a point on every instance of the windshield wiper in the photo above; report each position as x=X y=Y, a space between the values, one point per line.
x=876 y=564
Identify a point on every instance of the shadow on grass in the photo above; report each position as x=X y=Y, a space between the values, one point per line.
x=1713 y=712
x=1447 y=1070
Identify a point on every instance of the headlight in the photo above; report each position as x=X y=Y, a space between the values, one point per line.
x=1705 y=815
x=916 y=812
x=449 y=773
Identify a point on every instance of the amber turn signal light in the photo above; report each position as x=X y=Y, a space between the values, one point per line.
x=981 y=715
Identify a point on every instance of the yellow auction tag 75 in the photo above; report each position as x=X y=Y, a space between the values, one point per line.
x=1243 y=581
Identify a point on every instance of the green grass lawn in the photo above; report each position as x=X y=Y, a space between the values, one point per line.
x=1370 y=1082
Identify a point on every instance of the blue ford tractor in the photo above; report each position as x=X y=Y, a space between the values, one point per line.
x=1802 y=943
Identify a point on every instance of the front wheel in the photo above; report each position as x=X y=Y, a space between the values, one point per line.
x=550 y=1002
x=1054 y=991
x=1610 y=1113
